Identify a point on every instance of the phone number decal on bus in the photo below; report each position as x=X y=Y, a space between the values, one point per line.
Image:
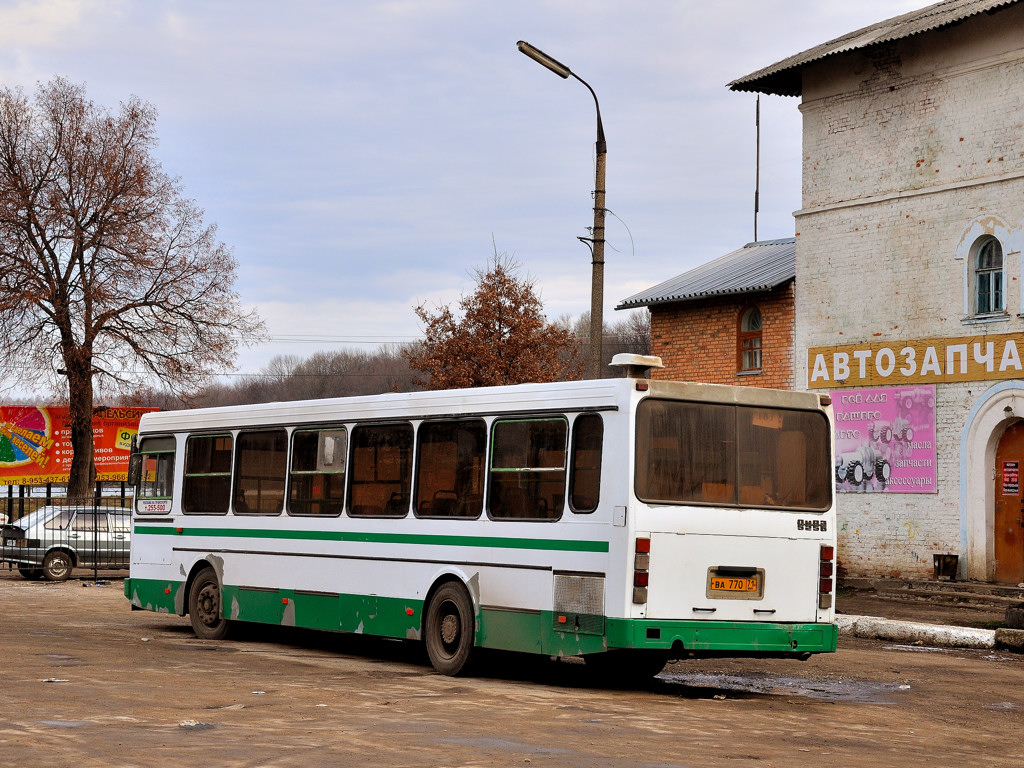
x=812 y=525
x=154 y=506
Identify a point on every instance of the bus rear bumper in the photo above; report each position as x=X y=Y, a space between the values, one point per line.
x=722 y=638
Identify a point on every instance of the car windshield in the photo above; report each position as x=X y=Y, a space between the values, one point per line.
x=34 y=518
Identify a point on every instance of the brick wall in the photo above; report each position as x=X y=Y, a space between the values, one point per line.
x=697 y=339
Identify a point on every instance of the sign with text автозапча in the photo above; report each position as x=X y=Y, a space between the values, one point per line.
x=925 y=361
x=885 y=440
x=35 y=443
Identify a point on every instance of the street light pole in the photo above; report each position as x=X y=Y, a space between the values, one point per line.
x=596 y=239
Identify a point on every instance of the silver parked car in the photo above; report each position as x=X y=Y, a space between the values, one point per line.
x=52 y=541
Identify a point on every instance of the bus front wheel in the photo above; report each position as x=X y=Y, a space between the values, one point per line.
x=204 y=607
x=449 y=629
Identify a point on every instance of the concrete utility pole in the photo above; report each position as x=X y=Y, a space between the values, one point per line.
x=596 y=239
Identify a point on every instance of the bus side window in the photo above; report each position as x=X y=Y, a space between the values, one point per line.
x=380 y=477
x=528 y=469
x=207 y=483
x=261 y=463
x=585 y=471
x=317 y=484
x=156 y=475
x=450 y=469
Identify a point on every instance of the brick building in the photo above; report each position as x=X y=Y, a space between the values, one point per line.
x=729 y=321
x=911 y=301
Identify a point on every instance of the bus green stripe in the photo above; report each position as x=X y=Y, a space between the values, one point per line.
x=500 y=542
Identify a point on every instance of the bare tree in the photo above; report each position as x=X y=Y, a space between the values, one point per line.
x=630 y=334
x=339 y=373
x=107 y=271
x=501 y=338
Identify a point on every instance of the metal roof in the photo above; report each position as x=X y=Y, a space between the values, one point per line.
x=784 y=78
x=758 y=266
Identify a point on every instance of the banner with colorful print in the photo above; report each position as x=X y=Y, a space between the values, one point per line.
x=885 y=439
x=35 y=443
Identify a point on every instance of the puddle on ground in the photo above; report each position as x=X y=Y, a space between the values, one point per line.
x=1001 y=706
x=862 y=691
x=506 y=745
x=62 y=658
x=197 y=647
x=65 y=723
x=917 y=648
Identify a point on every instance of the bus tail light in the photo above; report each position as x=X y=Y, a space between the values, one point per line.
x=641 y=569
x=826 y=567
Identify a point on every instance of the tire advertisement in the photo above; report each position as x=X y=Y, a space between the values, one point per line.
x=885 y=439
x=35 y=443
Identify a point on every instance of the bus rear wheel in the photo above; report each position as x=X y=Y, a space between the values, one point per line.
x=204 y=607
x=449 y=629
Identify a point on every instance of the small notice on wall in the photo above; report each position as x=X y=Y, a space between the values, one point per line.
x=1011 y=478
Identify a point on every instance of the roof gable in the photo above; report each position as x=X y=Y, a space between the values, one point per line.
x=759 y=266
x=785 y=78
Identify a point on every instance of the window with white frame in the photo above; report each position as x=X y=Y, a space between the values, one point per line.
x=988 y=277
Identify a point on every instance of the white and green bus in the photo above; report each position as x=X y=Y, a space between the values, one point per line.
x=628 y=521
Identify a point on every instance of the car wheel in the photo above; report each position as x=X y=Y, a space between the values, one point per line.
x=450 y=629
x=204 y=607
x=31 y=572
x=57 y=565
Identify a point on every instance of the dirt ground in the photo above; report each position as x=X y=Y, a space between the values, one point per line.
x=86 y=682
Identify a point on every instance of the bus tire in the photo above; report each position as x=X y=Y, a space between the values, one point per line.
x=57 y=565
x=204 y=607
x=450 y=629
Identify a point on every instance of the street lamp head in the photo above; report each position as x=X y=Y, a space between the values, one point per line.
x=542 y=58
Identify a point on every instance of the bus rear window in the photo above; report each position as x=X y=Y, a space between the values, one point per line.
x=726 y=455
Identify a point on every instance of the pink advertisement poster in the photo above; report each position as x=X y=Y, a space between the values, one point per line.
x=885 y=439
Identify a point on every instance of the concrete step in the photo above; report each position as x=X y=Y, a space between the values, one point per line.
x=961 y=593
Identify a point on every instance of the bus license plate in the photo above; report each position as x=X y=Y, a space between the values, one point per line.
x=734 y=584
x=727 y=584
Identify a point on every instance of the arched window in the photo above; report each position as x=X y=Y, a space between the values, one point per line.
x=748 y=341
x=989 y=292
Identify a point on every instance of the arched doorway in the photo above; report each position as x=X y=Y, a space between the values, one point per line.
x=991 y=416
x=1008 y=523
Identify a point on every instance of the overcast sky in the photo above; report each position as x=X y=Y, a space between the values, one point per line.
x=363 y=157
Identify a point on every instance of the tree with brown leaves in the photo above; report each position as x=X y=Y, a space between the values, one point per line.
x=502 y=336
x=107 y=271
